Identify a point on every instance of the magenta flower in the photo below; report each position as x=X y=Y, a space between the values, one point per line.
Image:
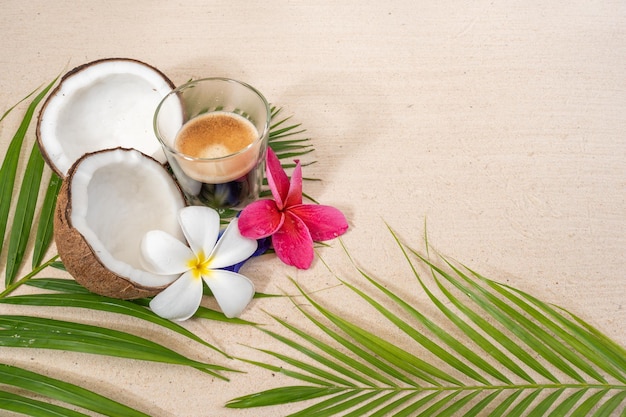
x=292 y=225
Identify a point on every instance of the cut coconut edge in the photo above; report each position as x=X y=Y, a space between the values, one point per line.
x=102 y=104
x=95 y=131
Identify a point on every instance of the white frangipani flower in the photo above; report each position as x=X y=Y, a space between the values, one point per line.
x=201 y=260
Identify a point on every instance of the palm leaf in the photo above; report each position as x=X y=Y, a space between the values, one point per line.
x=333 y=353
x=24 y=213
x=111 y=305
x=77 y=337
x=63 y=285
x=24 y=405
x=10 y=109
x=44 y=234
x=281 y=137
x=130 y=307
x=585 y=339
x=526 y=330
x=8 y=171
x=511 y=354
x=43 y=333
x=54 y=389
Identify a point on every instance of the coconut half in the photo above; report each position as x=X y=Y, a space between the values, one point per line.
x=107 y=203
x=103 y=104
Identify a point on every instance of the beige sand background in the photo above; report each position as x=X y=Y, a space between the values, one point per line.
x=499 y=124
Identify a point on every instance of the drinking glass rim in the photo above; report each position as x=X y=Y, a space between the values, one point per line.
x=189 y=84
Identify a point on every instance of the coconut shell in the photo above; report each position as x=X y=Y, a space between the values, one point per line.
x=38 y=134
x=80 y=260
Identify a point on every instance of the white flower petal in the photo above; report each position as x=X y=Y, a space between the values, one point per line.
x=201 y=226
x=232 y=291
x=180 y=300
x=150 y=279
x=164 y=254
x=232 y=248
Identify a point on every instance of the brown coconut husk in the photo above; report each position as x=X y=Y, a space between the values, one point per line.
x=79 y=258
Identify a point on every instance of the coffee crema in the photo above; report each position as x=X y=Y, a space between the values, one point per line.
x=215 y=135
x=217 y=147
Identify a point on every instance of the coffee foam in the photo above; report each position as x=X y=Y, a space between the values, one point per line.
x=215 y=135
x=223 y=145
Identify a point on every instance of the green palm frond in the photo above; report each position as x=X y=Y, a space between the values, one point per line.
x=285 y=139
x=54 y=390
x=30 y=185
x=490 y=350
x=32 y=225
x=34 y=332
x=44 y=333
x=45 y=228
x=287 y=142
x=83 y=299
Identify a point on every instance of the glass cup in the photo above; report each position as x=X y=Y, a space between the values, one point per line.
x=214 y=133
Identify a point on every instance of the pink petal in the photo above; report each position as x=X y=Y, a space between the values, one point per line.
x=293 y=243
x=295 y=188
x=323 y=222
x=260 y=219
x=277 y=178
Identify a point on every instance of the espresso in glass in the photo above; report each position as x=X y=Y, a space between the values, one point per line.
x=214 y=133
x=223 y=138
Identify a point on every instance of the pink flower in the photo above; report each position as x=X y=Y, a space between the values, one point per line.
x=292 y=225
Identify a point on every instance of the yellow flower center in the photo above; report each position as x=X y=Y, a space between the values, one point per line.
x=199 y=265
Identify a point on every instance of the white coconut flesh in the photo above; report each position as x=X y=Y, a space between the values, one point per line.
x=102 y=105
x=117 y=196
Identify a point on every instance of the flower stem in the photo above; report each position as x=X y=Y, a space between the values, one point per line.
x=15 y=285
